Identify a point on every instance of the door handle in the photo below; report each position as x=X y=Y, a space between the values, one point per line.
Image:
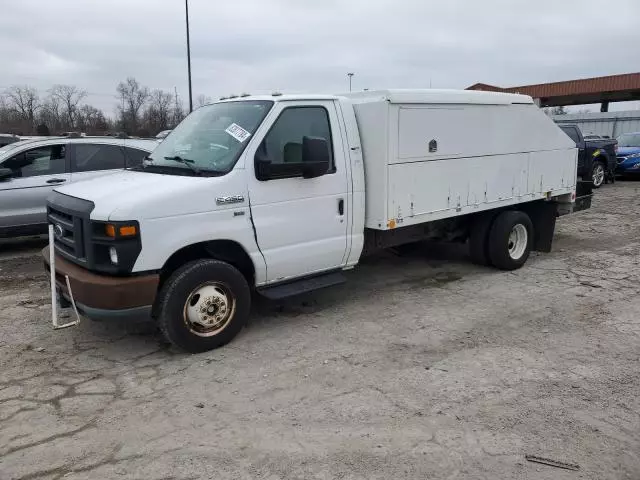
x=341 y=206
x=56 y=180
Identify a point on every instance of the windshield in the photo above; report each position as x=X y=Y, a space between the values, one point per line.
x=629 y=140
x=213 y=137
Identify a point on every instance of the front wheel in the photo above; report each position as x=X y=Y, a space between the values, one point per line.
x=598 y=174
x=510 y=240
x=204 y=305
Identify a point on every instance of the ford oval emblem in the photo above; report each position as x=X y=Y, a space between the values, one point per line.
x=58 y=231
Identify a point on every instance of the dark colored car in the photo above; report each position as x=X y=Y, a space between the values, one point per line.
x=8 y=139
x=596 y=157
x=629 y=154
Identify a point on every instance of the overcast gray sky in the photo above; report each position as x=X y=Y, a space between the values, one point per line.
x=260 y=46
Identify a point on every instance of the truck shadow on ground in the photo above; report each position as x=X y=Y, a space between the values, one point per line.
x=416 y=266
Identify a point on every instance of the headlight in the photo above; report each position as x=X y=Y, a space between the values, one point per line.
x=115 y=246
x=634 y=155
x=635 y=166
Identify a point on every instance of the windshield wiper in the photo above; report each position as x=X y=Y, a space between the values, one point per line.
x=145 y=161
x=187 y=162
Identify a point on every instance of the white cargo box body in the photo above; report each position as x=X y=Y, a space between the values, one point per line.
x=433 y=154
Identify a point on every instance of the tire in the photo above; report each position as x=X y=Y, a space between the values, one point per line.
x=212 y=293
x=479 y=240
x=598 y=174
x=506 y=251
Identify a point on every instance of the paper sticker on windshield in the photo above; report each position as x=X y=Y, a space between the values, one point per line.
x=237 y=132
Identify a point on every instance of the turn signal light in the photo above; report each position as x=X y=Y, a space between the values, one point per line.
x=128 y=231
x=123 y=231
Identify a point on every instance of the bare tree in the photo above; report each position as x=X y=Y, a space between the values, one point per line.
x=555 y=110
x=202 y=99
x=25 y=101
x=178 y=113
x=139 y=111
x=91 y=120
x=5 y=114
x=50 y=114
x=133 y=96
x=69 y=97
x=158 y=114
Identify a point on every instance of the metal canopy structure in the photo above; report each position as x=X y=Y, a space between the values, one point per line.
x=612 y=88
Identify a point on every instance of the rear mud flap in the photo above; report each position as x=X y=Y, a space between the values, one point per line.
x=584 y=194
x=582 y=203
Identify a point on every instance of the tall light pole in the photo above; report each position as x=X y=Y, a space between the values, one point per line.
x=186 y=10
x=350 y=75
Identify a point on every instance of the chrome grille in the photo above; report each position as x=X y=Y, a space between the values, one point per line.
x=68 y=233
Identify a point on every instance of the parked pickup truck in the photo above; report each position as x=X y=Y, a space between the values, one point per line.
x=277 y=195
x=596 y=156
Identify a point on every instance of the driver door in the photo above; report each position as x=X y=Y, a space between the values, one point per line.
x=36 y=172
x=301 y=223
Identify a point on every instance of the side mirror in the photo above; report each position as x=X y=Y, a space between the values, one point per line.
x=262 y=166
x=312 y=159
x=316 y=157
x=5 y=173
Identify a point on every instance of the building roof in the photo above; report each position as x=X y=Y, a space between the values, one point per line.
x=612 y=88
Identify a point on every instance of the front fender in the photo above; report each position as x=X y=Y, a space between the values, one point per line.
x=162 y=237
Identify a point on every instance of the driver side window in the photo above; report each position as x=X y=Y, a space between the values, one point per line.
x=283 y=143
x=49 y=160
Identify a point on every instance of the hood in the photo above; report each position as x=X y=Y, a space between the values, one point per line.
x=624 y=151
x=138 y=195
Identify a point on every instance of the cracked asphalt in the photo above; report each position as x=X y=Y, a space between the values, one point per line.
x=421 y=366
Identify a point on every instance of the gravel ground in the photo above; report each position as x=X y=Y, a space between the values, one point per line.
x=422 y=366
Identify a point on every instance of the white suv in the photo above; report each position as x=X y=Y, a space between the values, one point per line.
x=31 y=169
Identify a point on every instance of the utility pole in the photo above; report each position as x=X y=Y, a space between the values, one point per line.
x=350 y=75
x=124 y=122
x=186 y=9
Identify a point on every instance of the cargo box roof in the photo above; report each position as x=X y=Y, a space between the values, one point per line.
x=439 y=96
